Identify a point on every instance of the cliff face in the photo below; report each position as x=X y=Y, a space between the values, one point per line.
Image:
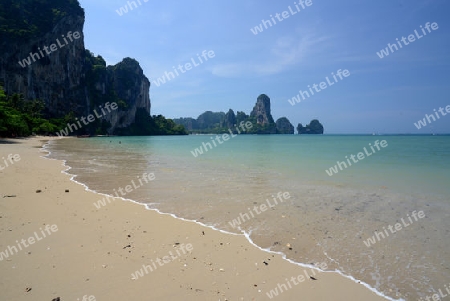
x=261 y=110
x=42 y=56
x=315 y=127
x=262 y=116
x=123 y=83
x=58 y=78
x=189 y=123
x=209 y=119
x=229 y=120
x=284 y=126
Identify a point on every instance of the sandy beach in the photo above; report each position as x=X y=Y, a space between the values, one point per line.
x=55 y=243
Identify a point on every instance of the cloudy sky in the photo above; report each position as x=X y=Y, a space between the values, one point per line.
x=304 y=46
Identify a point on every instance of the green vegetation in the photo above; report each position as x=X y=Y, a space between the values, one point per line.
x=262 y=129
x=28 y=22
x=96 y=73
x=27 y=19
x=22 y=118
x=207 y=122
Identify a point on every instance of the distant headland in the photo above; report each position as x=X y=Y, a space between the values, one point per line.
x=260 y=117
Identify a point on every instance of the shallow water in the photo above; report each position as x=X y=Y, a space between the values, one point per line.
x=326 y=218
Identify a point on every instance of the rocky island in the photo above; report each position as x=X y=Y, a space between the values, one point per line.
x=315 y=127
x=260 y=118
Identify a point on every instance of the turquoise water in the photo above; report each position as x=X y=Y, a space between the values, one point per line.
x=326 y=219
x=408 y=163
x=420 y=163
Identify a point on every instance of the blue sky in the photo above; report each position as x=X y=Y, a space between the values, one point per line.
x=385 y=95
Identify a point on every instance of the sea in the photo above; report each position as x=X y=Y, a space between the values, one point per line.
x=375 y=208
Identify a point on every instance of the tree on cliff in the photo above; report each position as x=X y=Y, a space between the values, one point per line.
x=26 y=19
x=22 y=118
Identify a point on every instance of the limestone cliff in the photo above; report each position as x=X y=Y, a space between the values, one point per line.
x=42 y=56
x=314 y=127
x=219 y=122
x=229 y=120
x=284 y=126
x=262 y=116
x=123 y=83
x=261 y=110
x=56 y=78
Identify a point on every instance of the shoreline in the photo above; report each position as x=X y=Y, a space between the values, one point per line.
x=243 y=233
x=225 y=257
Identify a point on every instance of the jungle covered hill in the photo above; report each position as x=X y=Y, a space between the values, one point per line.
x=45 y=92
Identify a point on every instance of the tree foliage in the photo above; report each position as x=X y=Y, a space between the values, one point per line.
x=25 y=19
x=20 y=118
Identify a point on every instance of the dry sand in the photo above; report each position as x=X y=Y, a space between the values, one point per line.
x=94 y=251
